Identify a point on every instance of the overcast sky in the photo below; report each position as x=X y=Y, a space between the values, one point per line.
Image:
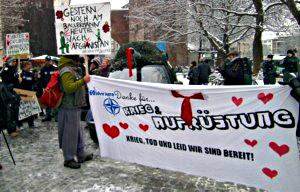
x=115 y=4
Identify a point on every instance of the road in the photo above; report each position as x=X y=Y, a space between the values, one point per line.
x=40 y=168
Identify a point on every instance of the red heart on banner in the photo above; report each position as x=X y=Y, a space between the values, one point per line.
x=250 y=143
x=270 y=173
x=112 y=132
x=280 y=150
x=124 y=125
x=144 y=127
x=265 y=98
x=237 y=101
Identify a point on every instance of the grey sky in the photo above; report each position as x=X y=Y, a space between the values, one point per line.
x=115 y=4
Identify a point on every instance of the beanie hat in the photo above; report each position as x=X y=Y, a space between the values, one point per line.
x=10 y=60
x=290 y=52
x=270 y=56
x=96 y=61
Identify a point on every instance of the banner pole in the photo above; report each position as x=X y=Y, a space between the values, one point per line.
x=19 y=66
x=11 y=155
x=86 y=64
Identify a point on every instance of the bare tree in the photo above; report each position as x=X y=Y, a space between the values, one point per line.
x=202 y=18
x=294 y=7
x=266 y=15
x=221 y=22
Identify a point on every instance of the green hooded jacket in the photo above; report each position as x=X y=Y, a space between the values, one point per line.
x=71 y=83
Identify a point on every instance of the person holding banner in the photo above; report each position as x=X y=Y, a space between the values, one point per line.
x=27 y=82
x=70 y=133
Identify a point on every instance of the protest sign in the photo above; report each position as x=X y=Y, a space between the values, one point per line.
x=83 y=29
x=17 y=44
x=1 y=57
x=242 y=134
x=29 y=104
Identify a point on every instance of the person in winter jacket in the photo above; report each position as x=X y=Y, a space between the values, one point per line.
x=94 y=66
x=193 y=74
x=238 y=71
x=27 y=82
x=269 y=70
x=9 y=73
x=10 y=78
x=46 y=73
x=291 y=65
x=104 y=67
x=203 y=73
x=70 y=134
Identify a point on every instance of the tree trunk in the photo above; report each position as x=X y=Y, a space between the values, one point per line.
x=257 y=51
x=220 y=59
x=257 y=42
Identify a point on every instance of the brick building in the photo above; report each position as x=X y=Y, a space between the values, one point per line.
x=119 y=29
x=140 y=31
x=120 y=26
x=33 y=16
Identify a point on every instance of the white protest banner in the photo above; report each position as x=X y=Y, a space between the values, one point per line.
x=29 y=104
x=29 y=108
x=242 y=134
x=17 y=43
x=83 y=29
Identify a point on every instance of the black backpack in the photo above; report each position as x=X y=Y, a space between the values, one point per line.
x=9 y=107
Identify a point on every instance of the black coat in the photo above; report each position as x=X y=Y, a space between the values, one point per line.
x=9 y=75
x=234 y=72
x=46 y=73
x=203 y=73
x=27 y=80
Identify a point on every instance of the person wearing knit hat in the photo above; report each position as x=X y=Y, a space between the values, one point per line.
x=291 y=65
x=290 y=53
x=94 y=65
x=9 y=73
x=70 y=133
x=269 y=71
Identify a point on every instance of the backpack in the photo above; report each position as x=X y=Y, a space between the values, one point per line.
x=52 y=95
